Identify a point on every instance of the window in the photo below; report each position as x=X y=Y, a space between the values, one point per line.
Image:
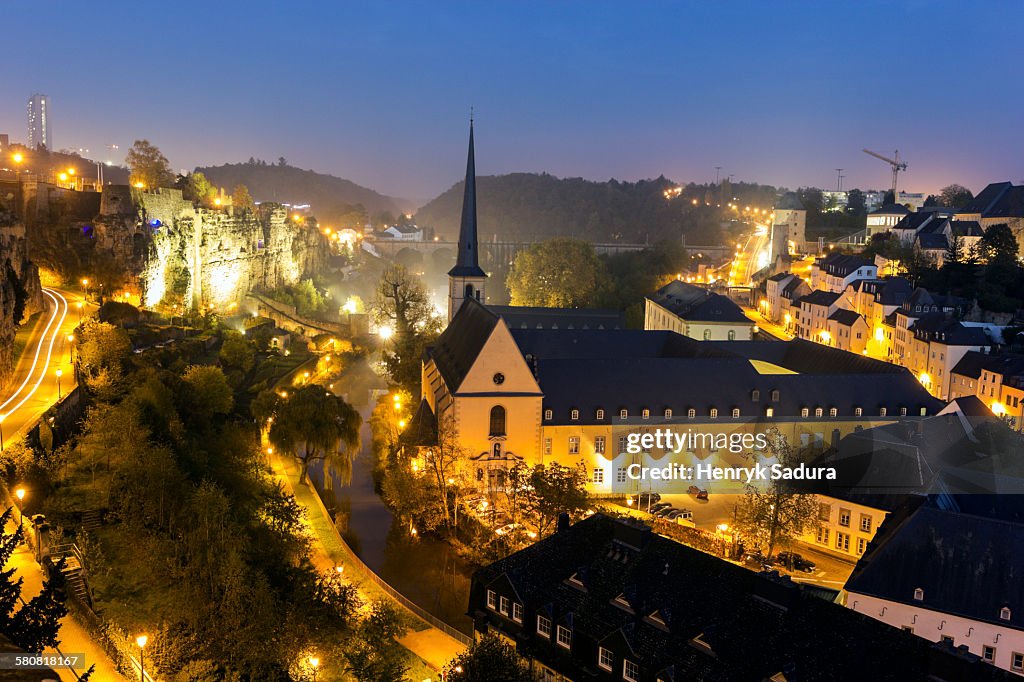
x=668 y=413
x=732 y=334
x=775 y=396
x=574 y=415
x=822 y=535
x=646 y=413
x=547 y=415
x=755 y=395
x=881 y=412
x=857 y=412
x=605 y=658
x=988 y=653
x=832 y=412
x=574 y=445
x=563 y=636
x=862 y=544
x=492 y=600
x=620 y=475
x=599 y=444
x=517 y=612
x=707 y=334
x=918 y=594
x=623 y=413
x=865 y=523
x=691 y=413
x=599 y=414
x=843 y=542
x=903 y=412
x=544 y=627
x=1016 y=661
x=547 y=446
x=622 y=444
x=818 y=412
x=824 y=512
x=598 y=475
x=1004 y=613
x=769 y=411
x=946 y=639
x=844 y=518
x=804 y=412
x=714 y=412
x=503 y=606
x=630 y=671
x=735 y=412
x=497 y=420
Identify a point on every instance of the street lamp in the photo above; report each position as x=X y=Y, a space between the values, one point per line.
x=20 y=494
x=79 y=306
x=71 y=344
x=59 y=372
x=314 y=663
x=141 y=641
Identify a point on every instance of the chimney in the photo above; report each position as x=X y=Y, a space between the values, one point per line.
x=563 y=522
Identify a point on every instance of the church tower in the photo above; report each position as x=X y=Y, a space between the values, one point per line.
x=466 y=279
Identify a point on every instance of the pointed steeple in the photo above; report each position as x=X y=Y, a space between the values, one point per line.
x=467 y=263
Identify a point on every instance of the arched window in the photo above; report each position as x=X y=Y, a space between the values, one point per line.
x=707 y=334
x=497 y=420
x=732 y=334
x=469 y=291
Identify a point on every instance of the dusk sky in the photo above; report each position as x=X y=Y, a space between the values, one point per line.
x=780 y=93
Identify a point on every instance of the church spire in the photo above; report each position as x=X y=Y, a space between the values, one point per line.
x=467 y=263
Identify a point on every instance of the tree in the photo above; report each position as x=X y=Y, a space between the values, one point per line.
x=772 y=513
x=560 y=273
x=442 y=461
x=554 y=490
x=148 y=165
x=236 y=351
x=402 y=303
x=241 y=199
x=954 y=196
x=855 y=203
x=198 y=188
x=999 y=246
x=209 y=389
x=488 y=658
x=314 y=425
x=101 y=355
x=375 y=655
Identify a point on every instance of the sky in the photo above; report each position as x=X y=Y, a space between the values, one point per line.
x=781 y=93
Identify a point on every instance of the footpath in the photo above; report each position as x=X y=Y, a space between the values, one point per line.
x=432 y=645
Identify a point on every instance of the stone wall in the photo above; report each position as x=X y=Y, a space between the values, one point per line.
x=20 y=292
x=176 y=253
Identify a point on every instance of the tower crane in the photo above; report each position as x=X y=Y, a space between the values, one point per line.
x=896 y=164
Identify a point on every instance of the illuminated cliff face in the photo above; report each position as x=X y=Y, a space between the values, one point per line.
x=196 y=257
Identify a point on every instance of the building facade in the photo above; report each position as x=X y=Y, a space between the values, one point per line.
x=40 y=128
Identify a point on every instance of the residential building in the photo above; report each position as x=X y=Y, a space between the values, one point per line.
x=815 y=309
x=847 y=330
x=940 y=568
x=834 y=200
x=606 y=599
x=997 y=380
x=873 y=199
x=532 y=317
x=999 y=203
x=789 y=220
x=694 y=311
x=884 y=219
x=836 y=271
x=937 y=344
x=40 y=126
x=781 y=291
x=405 y=233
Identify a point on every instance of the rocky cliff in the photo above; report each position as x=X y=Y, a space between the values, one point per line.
x=20 y=292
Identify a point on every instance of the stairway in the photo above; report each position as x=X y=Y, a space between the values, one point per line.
x=73 y=572
x=92 y=520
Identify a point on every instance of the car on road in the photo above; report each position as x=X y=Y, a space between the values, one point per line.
x=795 y=561
x=699 y=493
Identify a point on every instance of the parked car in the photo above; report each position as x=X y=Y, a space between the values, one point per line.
x=699 y=493
x=795 y=561
x=663 y=513
x=684 y=514
x=655 y=508
x=643 y=499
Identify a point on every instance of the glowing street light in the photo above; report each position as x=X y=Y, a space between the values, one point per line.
x=20 y=494
x=59 y=373
x=386 y=332
x=314 y=663
x=141 y=641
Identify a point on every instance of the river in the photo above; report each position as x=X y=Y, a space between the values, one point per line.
x=424 y=569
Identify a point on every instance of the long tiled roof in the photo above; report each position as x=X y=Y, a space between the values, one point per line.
x=695 y=303
x=715 y=620
x=820 y=297
x=966 y=553
x=998 y=200
x=530 y=317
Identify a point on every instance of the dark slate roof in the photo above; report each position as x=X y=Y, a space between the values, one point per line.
x=998 y=200
x=536 y=344
x=694 y=303
x=790 y=289
x=820 y=297
x=751 y=626
x=965 y=552
x=971 y=364
x=969 y=406
x=847 y=318
x=891 y=209
x=458 y=345
x=932 y=242
x=467 y=262
x=807 y=357
x=780 y=277
x=935 y=327
x=842 y=264
x=529 y=317
x=914 y=221
x=967 y=228
x=422 y=428
x=790 y=202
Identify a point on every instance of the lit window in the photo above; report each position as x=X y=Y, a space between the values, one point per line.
x=804 y=412
x=547 y=415
x=881 y=412
x=735 y=412
x=600 y=414
x=668 y=413
x=574 y=445
x=544 y=627
x=1004 y=613
x=818 y=412
x=630 y=671
x=574 y=415
x=769 y=412
x=903 y=412
x=691 y=413
x=714 y=412
x=857 y=412
x=646 y=413
x=918 y=594
x=564 y=637
x=605 y=658
x=623 y=413
x=832 y=412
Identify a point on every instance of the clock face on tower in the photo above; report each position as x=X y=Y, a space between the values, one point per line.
x=499 y=379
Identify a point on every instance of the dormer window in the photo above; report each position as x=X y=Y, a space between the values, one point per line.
x=775 y=396
x=599 y=414
x=623 y=413
x=574 y=415
x=804 y=412
x=668 y=413
x=714 y=412
x=574 y=579
x=857 y=412
x=832 y=412
x=755 y=395
x=1004 y=613
x=903 y=412
x=818 y=412
x=548 y=415
x=735 y=412
x=622 y=602
x=881 y=412
x=918 y=594
x=691 y=413
x=646 y=413
x=769 y=411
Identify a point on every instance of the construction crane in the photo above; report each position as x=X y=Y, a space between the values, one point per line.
x=896 y=164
